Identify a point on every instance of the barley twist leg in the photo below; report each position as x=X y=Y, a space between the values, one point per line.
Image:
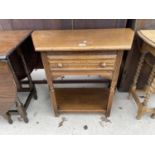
x=133 y=87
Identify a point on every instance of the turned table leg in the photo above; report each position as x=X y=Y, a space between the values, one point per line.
x=50 y=82
x=114 y=82
x=142 y=108
x=134 y=85
x=150 y=86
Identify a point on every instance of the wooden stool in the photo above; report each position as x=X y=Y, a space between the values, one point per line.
x=148 y=46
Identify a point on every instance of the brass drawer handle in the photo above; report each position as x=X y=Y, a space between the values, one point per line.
x=60 y=65
x=103 y=64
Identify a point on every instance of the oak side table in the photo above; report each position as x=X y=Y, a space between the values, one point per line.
x=148 y=47
x=82 y=52
x=10 y=43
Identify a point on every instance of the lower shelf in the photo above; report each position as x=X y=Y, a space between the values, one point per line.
x=82 y=99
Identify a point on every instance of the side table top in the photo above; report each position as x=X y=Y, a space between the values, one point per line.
x=148 y=36
x=83 y=40
x=10 y=40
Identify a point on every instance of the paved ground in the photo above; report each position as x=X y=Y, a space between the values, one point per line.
x=42 y=120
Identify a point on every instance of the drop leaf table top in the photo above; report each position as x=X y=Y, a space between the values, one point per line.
x=10 y=40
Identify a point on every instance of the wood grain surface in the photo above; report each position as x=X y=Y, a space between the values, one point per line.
x=7 y=88
x=82 y=40
x=148 y=36
x=9 y=40
x=82 y=52
x=82 y=99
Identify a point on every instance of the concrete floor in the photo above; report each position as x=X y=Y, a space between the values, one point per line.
x=43 y=121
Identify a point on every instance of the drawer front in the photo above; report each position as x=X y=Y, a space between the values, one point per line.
x=104 y=74
x=82 y=62
x=82 y=65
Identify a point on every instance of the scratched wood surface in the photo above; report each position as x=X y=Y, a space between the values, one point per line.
x=7 y=88
x=9 y=40
x=83 y=40
x=148 y=36
x=82 y=52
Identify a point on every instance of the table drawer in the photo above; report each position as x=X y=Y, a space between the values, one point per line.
x=82 y=65
x=81 y=62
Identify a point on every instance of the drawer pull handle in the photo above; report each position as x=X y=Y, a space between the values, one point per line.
x=103 y=64
x=60 y=65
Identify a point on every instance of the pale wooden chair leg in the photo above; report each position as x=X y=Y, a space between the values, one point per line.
x=22 y=111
